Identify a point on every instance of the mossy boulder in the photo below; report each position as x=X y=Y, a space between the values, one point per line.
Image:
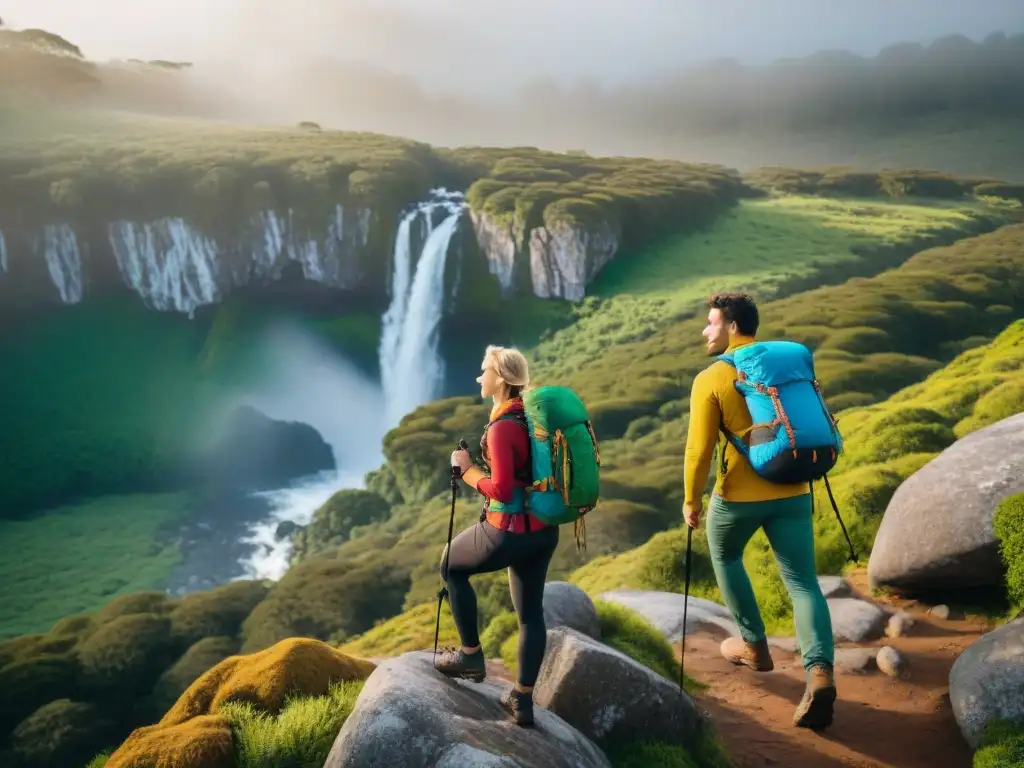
x=150 y=602
x=197 y=660
x=204 y=741
x=29 y=684
x=217 y=612
x=61 y=733
x=297 y=666
x=125 y=656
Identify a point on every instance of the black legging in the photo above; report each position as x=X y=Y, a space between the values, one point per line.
x=484 y=549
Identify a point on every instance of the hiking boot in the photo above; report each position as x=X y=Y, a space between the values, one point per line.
x=754 y=655
x=519 y=705
x=815 y=709
x=454 y=663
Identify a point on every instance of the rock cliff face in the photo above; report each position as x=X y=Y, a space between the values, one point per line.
x=561 y=258
x=564 y=257
x=174 y=266
x=500 y=241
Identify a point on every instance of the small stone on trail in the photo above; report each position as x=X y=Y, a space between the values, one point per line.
x=940 y=612
x=891 y=661
x=898 y=624
x=855 y=661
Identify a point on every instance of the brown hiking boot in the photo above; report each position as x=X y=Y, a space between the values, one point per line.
x=815 y=709
x=454 y=663
x=754 y=655
x=520 y=706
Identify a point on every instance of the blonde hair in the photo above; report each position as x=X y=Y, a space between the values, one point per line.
x=510 y=365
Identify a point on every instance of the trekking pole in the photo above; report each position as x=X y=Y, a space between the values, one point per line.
x=686 y=602
x=456 y=475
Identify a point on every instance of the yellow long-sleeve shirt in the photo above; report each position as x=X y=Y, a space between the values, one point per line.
x=714 y=401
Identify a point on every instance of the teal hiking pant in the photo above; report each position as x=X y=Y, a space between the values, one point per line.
x=790 y=529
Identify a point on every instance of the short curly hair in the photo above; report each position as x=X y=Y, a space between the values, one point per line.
x=737 y=308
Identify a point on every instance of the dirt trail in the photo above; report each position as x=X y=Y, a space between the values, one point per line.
x=879 y=721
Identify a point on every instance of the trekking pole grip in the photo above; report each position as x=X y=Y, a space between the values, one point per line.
x=456 y=472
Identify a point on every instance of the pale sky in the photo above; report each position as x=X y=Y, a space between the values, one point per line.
x=469 y=42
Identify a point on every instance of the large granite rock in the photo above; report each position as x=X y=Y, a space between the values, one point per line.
x=665 y=611
x=566 y=605
x=856 y=620
x=607 y=695
x=410 y=715
x=986 y=682
x=937 y=530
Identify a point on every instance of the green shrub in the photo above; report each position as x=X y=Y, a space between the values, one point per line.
x=333 y=522
x=629 y=632
x=61 y=733
x=325 y=599
x=1002 y=746
x=125 y=656
x=498 y=631
x=300 y=736
x=29 y=684
x=706 y=752
x=216 y=612
x=1009 y=530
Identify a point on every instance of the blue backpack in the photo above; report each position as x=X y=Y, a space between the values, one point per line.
x=794 y=438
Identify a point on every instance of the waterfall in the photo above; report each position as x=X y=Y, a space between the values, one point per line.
x=175 y=267
x=412 y=370
x=63 y=260
x=3 y=254
x=167 y=263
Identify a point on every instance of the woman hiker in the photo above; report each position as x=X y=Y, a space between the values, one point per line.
x=507 y=535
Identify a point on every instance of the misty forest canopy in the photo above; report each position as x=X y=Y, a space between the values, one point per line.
x=952 y=75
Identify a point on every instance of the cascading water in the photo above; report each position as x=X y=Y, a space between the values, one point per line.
x=3 y=254
x=63 y=260
x=339 y=402
x=411 y=367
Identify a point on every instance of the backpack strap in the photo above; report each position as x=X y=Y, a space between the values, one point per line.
x=524 y=475
x=736 y=440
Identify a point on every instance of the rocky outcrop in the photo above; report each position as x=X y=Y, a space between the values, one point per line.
x=254 y=451
x=608 y=696
x=938 y=528
x=986 y=681
x=566 y=605
x=565 y=257
x=562 y=257
x=665 y=611
x=500 y=241
x=410 y=715
x=856 y=621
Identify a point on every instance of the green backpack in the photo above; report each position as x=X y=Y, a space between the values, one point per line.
x=565 y=458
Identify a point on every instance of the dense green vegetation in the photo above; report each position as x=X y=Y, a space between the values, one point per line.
x=885 y=443
x=1002 y=746
x=1009 y=529
x=110 y=398
x=108 y=672
x=75 y=559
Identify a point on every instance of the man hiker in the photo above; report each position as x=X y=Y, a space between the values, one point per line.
x=741 y=503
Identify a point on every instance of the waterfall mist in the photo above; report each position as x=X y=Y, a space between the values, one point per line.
x=308 y=381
